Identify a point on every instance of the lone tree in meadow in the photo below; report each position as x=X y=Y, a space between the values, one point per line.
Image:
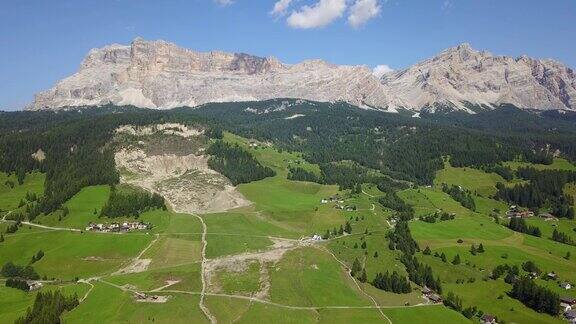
x=456 y=260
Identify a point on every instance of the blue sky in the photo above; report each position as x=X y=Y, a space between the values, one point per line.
x=44 y=41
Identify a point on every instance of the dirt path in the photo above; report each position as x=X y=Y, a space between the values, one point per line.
x=262 y=301
x=203 y=307
x=89 y=290
x=137 y=264
x=4 y=220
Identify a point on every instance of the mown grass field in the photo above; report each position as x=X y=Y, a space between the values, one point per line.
x=477 y=181
x=14 y=302
x=557 y=164
x=69 y=255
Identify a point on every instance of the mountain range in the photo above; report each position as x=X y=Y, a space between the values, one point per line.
x=161 y=75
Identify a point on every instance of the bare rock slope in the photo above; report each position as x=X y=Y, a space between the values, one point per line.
x=158 y=74
x=461 y=76
x=168 y=159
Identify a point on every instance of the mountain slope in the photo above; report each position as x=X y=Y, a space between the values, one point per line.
x=158 y=74
x=461 y=76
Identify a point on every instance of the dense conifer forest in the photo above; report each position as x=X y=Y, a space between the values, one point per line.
x=236 y=164
x=130 y=202
x=48 y=306
x=544 y=189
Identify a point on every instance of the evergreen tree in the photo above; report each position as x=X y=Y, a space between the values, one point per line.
x=356 y=267
x=480 y=248
x=363 y=277
x=443 y=257
x=348 y=227
x=363 y=245
x=456 y=260
x=427 y=251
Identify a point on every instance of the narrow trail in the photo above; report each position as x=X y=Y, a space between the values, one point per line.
x=266 y=302
x=147 y=247
x=367 y=194
x=358 y=285
x=89 y=290
x=205 y=309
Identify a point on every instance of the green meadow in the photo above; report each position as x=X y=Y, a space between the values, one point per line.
x=10 y=197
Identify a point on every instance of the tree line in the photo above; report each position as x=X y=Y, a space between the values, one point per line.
x=519 y=225
x=544 y=189
x=541 y=299
x=130 y=202
x=48 y=307
x=463 y=196
x=236 y=164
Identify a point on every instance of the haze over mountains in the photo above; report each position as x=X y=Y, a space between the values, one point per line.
x=159 y=74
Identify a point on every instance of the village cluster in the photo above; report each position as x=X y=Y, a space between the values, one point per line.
x=339 y=203
x=118 y=227
x=515 y=212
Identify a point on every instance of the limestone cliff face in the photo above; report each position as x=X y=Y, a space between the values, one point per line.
x=158 y=74
x=462 y=75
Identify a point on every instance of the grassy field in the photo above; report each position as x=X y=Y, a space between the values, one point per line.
x=83 y=208
x=477 y=181
x=68 y=254
x=108 y=304
x=10 y=197
x=244 y=282
x=557 y=164
x=490 y=297
x=308 y=276
x=14 y=302
x=428 y=314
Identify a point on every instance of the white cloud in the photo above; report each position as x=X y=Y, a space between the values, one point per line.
x=380 y=70
x=362 y=11
x=224 y=2
x=319 y=15
x=280 y=7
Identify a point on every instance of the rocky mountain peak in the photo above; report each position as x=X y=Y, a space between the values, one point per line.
x=159 y=74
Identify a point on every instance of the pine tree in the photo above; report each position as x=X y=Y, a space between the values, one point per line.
x=326 y=235
x=363 y=277
x=341 y=230
x=363 y=245
x=443 y=257
x=348 y=228
x=567 y=256
x=473 y=249
x=427 y=251
x=356 y=267
x=1 y=237
x=480 y=248
x=456 y=260
x=376 y=254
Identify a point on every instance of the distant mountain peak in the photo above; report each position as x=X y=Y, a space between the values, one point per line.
x=160 y=74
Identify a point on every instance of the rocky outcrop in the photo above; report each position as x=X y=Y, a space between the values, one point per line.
x=158 y=74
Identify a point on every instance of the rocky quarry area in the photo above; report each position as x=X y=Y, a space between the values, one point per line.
x=168 y=159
